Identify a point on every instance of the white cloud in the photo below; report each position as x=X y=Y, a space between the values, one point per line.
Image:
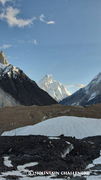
x=5 y=46
x=51 y=22
x=42 y=19
x=75 y=85
x=9 y=14
x=4 y=1
x=35 y=42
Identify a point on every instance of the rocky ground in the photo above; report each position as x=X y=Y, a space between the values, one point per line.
x=18 y=116
x=46 y=154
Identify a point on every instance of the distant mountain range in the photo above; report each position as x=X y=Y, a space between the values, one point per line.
x=54 y=88
x=18 y=88
x=91 y=94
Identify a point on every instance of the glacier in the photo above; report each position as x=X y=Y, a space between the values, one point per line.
x=78 y=127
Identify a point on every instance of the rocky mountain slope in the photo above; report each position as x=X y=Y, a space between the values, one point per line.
x=54 y=88
x=91 y=94
x=24 y=90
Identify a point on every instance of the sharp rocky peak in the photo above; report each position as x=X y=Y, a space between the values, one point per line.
x=3 y=58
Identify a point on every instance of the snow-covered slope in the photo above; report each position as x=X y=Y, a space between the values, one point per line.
x=9 y=70
x=91 y=94
x=6 y=99
x=67 y=125
x=54 y=88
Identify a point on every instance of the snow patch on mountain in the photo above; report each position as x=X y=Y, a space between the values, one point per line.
x=54 y=88
x=95 y=83
x=93 y=88
x=67 y=125
x=91 y=94
x=8 y=69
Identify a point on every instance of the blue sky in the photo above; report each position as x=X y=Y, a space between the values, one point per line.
x=58 y=37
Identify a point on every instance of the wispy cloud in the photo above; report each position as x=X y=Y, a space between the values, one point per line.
x=42 y=19
x=9 y=14
x=4 y=1
x=33 y=41
x=5 y=46
x=20 y=41
x=10 y=57
x=75 y=85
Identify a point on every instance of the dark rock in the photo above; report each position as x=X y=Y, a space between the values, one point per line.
x=27 y=149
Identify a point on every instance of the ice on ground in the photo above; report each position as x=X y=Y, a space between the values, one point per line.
x=97 y=161
x=21 y=171
x=7 y=162
x=68 y=125
x=67 y=150
x=22 y=167
x=90 y=166
x=42 y=178
x=93 y=177
x=53 y=137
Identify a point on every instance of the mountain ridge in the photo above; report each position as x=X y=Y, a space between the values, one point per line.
x=24 y=90
x=90 y=94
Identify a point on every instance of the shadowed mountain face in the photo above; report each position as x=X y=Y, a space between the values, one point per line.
x=91 y=94
x=25 y=91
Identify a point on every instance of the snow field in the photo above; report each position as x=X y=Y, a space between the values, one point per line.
x=68 y=125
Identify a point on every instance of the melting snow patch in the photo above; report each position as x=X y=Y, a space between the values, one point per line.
x=93 y=177
x=97 y=161
x=53 y=137
x=40 y=178
x=21 y=171
x=7 y=162
x=22 y=167
x=90 y=166
x=67 y=150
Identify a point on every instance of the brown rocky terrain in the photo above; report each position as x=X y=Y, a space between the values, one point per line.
x=19 y=116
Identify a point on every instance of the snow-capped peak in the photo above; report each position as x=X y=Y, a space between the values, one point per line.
x=54 y=88
x=8 y=69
